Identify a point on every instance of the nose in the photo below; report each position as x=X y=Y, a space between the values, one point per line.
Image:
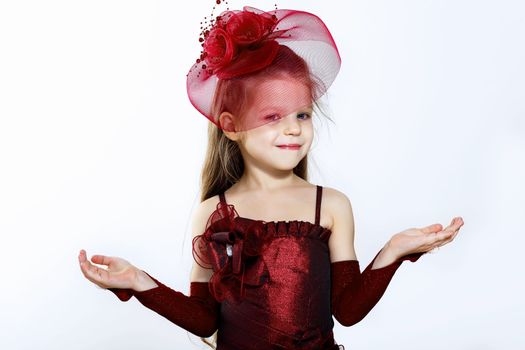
x=292 y=125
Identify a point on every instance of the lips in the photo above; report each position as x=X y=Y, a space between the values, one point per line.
x=290 y=146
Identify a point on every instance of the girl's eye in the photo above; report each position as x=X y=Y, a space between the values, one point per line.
x=306 y=115
x=272 y=117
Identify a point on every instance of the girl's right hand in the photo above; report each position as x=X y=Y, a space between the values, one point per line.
x=119 y=274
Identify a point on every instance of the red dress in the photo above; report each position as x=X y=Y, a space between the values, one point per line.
x=272 y=287
x=272 y=279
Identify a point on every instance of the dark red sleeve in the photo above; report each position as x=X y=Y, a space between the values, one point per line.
x=197 y=313
x=354 y=293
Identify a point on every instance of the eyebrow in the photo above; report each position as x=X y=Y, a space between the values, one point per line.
x=279 y=109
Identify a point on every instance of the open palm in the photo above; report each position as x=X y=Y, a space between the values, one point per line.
x=119 y=274
x=422 y=240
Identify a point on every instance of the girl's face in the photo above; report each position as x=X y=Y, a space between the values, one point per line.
x=286 y=107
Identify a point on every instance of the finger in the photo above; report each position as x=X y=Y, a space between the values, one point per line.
x=101 y=259
x=432 y=228
x=97 y=274
x=454 y=228
x=456 y=223
x=439 y=237
x=94 y=273
x=81 y=255
x=446 y=237
x=451 y=238
x=84 y=266
x=451 y=229
x=82 y=260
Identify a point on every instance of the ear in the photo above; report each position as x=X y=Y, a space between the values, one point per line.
x=226 y=121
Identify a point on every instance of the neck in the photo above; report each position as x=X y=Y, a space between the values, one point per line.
x=260 y=181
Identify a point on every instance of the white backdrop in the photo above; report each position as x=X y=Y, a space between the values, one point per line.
x=101 y=150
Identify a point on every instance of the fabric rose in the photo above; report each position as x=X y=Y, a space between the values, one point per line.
x=233 y=252
x=219 y=48
x=239 y=43
x=247 y=28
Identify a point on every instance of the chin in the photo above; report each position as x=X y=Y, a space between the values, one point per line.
x=286 y=165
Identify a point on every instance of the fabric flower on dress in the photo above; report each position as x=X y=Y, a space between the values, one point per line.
x=233 y=252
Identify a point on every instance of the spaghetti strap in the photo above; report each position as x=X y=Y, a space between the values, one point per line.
x=318 y=199
x=318 y=204
x=222 y=198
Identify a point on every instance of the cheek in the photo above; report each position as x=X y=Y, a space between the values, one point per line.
x=262 y=137
x=308 y=134
x=256 y=143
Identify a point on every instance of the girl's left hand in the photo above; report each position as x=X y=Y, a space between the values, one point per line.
x=422 y=240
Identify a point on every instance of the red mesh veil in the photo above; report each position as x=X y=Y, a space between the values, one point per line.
x=245 y=49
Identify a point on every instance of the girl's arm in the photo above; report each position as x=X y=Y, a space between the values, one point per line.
x=354 y=293
x=197 y=313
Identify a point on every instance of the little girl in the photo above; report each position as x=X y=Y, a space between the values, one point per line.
x=274 y=254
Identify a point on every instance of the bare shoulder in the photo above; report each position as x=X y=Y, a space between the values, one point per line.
x=341 y=242
x=201 y=215
x=335 y=199
x=199 y=220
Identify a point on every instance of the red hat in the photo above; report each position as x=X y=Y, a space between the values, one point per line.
x=240 y=45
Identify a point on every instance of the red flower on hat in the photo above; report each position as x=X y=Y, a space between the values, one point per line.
x=218 y=48
x=239 y=43
x=247 y=28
